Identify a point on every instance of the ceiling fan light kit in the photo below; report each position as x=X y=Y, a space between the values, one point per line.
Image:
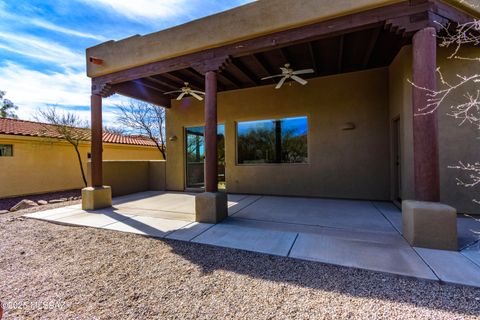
x=186 y=90
x=289 y=73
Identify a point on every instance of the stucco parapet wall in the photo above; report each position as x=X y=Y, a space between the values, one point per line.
x=246 y=22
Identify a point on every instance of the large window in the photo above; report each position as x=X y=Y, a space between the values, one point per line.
x=6 y=150
x=272 y=141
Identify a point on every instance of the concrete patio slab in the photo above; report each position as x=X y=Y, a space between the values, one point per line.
x=451 y=266
x=376 y=256
x=360 y=235
x=250 y=239
x=154 y=227
x=189 y=231
x=359 y=215
x=391 y=212
x=96 y=220
x=473 y=253
x=466 y=228
x=53 y=213
x=165 y=201
x=235 y=206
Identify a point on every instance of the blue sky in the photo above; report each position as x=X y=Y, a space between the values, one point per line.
x=42 y=44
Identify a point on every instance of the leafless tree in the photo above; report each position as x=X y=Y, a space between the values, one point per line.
x=145 y=119
x=66 y=126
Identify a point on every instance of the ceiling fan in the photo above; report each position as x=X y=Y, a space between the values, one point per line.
x=288 y=73
x=187 y=90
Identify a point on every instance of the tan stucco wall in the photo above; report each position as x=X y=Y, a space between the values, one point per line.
x=136 y=175
x=245 y=22
x=455 y=143
x=342 y=164
x=400 y=98
x=41 y=165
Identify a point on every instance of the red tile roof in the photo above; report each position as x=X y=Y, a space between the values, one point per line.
x=38 y=129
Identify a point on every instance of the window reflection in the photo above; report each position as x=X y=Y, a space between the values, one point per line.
x=273 y=141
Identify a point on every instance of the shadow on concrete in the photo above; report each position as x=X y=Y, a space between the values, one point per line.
x=319 y=276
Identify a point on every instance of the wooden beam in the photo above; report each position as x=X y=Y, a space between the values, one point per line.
x=336 y=26
x=139 y=92
x=152 y=85
x=239 y=67
x=262 y=63
x=165 y=83
x=371 y=46
x=230 y=78
x=341 y=40
x=313 y=57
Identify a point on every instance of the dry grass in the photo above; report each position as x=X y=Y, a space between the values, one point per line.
x=92 y=273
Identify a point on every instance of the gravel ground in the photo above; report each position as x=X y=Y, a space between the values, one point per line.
x=87 y=273
x=6 y=204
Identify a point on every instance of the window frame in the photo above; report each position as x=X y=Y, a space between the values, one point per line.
x=274 y=118
x=11 y=147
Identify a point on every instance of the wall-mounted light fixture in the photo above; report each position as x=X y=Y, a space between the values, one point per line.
x=348 y=126
x=173 y=138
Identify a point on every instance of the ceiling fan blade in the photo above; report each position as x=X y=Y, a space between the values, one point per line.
x=300 y=80
x=180 y=97
x=304 y=71
x=270 y=77
x=198 y=92
x=281 y=82
x=196 y=96
x=170 y=92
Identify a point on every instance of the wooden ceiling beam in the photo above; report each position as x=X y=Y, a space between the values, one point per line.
x=371 y=46
x=313 y=58
x=132 y=90
x=341 y=40
x=230 y=78
x=164 y=83
x=240 y=68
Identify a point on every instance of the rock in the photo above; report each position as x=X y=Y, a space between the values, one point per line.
x=71 y=198
x=42 y=202
x=64 y=199
x=3 y=211
x=55 y=201
x=24 y=204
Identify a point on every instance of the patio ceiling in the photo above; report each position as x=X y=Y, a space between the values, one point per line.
x=356 y=42
x=364 y=49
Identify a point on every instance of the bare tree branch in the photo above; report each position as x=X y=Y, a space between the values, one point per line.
x=145 y=119
x=67 y=126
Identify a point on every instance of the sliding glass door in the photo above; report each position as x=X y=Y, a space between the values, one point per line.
x=195 y=156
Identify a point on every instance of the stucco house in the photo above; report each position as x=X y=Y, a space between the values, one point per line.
x=339 y=124
x=35 y=160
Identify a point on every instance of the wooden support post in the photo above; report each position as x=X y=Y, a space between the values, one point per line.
x=425 y=127
x=211 y=165
x=96 y=146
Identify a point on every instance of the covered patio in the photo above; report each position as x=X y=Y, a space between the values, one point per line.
x=360 y=234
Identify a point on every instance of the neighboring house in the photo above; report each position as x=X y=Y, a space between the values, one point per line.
x=349 y=133
x=34 y=160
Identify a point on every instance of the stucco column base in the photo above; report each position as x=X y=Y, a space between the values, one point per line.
x=94 y=198
x=211 y=207
x=430 y=225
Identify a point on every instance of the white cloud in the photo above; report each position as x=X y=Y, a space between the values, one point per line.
x=31 y=90
x=54 y=27
x=40 y=49
x=147 y=9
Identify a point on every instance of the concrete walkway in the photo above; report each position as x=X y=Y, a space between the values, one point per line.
x=360 y=234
